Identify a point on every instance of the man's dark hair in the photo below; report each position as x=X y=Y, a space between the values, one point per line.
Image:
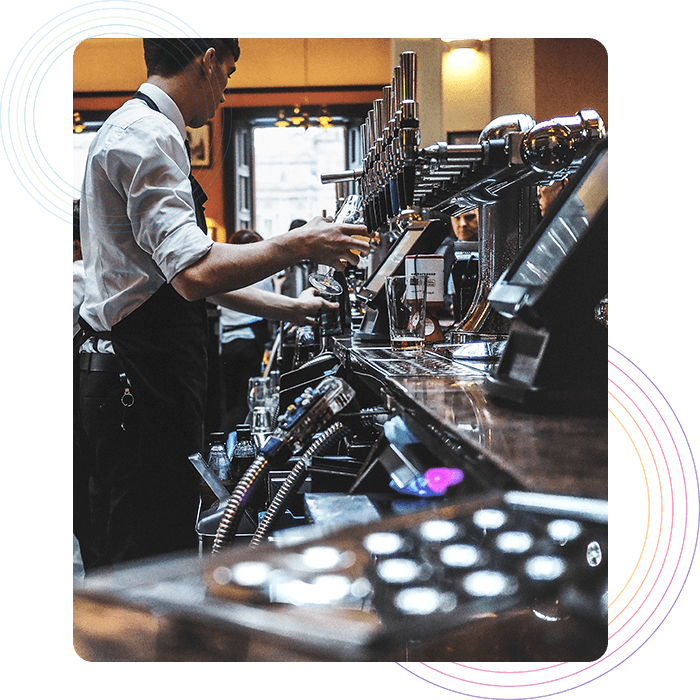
x=166 y=57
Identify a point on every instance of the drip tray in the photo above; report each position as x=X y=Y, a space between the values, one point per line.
x=415 y=363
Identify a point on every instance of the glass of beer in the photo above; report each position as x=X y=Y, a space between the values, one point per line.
x=406 y=295
x=372 y=238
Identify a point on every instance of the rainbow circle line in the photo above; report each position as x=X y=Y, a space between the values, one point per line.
x=646 y=534
x=684 y=534
x=658 y=540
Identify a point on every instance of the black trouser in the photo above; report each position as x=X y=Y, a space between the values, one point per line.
x=143 y=489
x=83 y=462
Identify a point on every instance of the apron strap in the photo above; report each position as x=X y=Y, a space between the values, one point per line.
x=198 y=195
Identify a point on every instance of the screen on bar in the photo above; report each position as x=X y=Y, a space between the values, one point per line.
x=391 y=263
x=567 y=227
x=572 y=234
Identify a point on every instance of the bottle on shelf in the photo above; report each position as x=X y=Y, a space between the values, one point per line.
x=244 y=451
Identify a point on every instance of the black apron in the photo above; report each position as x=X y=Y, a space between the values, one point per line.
x=146 y=490
x=162 y=347
x=163 y=343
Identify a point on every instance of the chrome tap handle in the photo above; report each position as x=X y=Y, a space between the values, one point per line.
x=342 y=176
x=556 y=144
x=371 y=136
x=378 y=121
x=364 y=145
x=396 y=92
x=387 y=115
x=409 y=89
x=548 y=147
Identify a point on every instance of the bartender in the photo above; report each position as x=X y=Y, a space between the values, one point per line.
x=150 y=268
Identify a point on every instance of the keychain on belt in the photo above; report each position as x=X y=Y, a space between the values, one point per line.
x=127 y=397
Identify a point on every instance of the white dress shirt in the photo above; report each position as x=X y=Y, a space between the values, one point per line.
x=137 y=217
x=78 y=292
x=236 y=324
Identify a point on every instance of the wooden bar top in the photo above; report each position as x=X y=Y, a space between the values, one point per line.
x=176 y=609
x=565 y=454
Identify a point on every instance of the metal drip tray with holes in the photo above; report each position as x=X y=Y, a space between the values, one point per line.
x=416 y=364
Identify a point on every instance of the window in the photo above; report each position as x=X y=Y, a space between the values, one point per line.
x=273 y=175
x=289 y=163
x=243 y=154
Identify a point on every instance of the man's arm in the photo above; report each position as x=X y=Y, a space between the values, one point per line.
x=228 y=267
x=301 y=311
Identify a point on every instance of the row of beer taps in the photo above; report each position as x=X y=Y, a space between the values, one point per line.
x=512 y=150
x=389 y=141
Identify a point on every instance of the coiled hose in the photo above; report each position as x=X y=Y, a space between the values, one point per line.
x=294 y=480
x=234 y=509
x=241 y=494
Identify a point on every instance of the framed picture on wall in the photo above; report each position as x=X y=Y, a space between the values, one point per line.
x=200 y=146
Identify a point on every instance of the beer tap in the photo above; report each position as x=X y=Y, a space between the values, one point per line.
x=364 y=179
x=379 y=173
x=395 y=152
x=520 y=155
x=409 y=134
x=389 y=139
x=373 y=189
x=560 y=144
x=386 y=151
x=512 y=151
x=441 y=171
x=497 y=175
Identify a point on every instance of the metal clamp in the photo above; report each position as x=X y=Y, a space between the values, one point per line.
x=127 y=399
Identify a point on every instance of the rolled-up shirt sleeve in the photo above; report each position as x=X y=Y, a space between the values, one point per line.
x=137 y=213
x=180 y=249
x=159 y=201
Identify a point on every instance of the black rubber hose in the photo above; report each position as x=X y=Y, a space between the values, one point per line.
x=293 y=482
x=236 y=503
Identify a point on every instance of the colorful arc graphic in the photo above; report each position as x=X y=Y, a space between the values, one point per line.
x=653 y=541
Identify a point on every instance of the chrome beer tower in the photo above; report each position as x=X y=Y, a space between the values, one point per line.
x=400 y=182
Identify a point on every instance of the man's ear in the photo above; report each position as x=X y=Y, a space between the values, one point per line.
x=209 y=60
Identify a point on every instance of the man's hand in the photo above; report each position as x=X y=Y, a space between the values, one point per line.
x=229 y=267
x=302 y=311
x=309 y=306
x=330 y=243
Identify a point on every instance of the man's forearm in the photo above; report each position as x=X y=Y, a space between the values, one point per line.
x=227 y=267
x=258 y=302
x=302 y=311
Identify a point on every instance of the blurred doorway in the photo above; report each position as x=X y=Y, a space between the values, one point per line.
x=287 y=184
x=273 y=174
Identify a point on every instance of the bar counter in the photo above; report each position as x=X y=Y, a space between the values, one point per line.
x=172 y=609
x=503 y=447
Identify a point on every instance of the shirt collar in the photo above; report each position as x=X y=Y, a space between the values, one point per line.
x=166 y=105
